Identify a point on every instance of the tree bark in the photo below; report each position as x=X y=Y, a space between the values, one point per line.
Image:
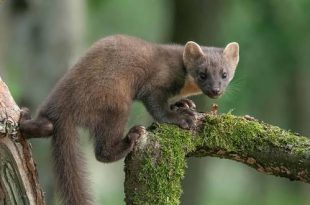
x=155 y=168
x=18 y=176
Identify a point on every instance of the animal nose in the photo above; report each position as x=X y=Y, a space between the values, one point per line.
x=216 y=91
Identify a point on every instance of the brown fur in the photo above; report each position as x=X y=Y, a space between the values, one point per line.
x=97 y=94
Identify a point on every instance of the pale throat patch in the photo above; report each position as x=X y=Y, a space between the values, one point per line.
x=190 y=88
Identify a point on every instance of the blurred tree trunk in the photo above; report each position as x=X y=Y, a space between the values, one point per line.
x=39 y=40
x=299 y=110
x=299 y=101
x=195 y=20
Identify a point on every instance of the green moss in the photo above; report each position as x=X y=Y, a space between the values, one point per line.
x=163 y=161
x=233 y=134
x=165 y=170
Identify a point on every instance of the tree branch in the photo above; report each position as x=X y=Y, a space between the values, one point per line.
x=18 y=176
x=154 y=170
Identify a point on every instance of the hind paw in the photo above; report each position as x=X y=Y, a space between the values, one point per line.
x=135 y=133
x=25 y=114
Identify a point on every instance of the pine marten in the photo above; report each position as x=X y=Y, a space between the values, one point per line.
x=98 y=91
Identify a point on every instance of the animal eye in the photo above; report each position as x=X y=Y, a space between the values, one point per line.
x=202 y=76
x=224 y=75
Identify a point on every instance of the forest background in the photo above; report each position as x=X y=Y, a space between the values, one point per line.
x=40 y=40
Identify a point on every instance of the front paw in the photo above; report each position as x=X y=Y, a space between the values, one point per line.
x=187 y=122
x=184 y=104
x=185 y=118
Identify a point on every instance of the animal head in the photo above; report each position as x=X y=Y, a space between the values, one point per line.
x=211 y=68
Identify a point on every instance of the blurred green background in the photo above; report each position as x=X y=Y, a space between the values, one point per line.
x=40 y=40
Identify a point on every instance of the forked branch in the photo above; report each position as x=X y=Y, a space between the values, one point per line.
x=155 y=169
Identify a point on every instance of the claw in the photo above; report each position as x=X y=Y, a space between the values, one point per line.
x=25 y=114
x=185 y=104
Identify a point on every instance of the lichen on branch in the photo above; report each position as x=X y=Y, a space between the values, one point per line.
x=154 y=170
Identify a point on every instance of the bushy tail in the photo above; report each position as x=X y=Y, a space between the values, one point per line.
x=70 y=175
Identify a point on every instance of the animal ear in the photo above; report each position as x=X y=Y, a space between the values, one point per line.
x=192 y=52
x=231 y=52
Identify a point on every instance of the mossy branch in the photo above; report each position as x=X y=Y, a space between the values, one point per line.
x=154 y=170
